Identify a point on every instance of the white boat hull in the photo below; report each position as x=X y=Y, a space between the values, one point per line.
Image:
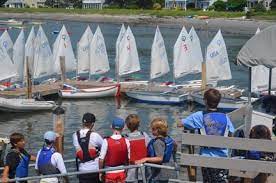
x=25 y=105
x=95 y=92
x=225 y=103
x=157 y=97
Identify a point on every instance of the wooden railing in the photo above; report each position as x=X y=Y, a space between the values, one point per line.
x=244 y=167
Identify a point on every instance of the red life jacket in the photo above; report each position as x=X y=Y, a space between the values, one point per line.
x=138 y=148
x=116 y=152
x=86 y=153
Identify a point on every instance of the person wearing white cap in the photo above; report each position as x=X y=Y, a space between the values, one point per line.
x=48 y=160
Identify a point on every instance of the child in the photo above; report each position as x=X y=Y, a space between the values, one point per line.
x=48 y=160
x=260 y=132
x=211 y=122
x=138 y=145
x=87 y=144
x=17 y=160
x=114 y=153
x=161 y=150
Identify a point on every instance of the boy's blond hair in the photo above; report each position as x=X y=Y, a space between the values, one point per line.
x=161 y=125
x=132 y=122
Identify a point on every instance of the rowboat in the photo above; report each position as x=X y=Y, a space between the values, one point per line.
x=25 y=105
x=156 y=97
x=95 y=92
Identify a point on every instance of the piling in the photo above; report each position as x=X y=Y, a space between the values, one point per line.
x=29 y=78
x=62 y=68
x=58 y=123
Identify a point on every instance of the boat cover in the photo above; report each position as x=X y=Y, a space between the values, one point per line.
x=260 y=49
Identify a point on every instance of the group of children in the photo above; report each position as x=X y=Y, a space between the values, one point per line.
x=94 y=152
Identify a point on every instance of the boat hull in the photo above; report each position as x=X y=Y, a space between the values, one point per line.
x=157 y=97
x=25 y=105
x=95 y=92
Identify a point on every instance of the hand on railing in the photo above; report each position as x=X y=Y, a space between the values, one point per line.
x=4 y=179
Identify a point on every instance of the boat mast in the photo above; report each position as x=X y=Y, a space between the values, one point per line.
x=203 y=73
x=270 y=81
x=29 y=79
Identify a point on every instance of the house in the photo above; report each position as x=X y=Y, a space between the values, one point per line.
x=203 y=4
x=15 y=4
x=25 y=3
x=253 y=3
x=98 y=4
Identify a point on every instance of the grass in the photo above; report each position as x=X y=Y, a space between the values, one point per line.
x=159 y=13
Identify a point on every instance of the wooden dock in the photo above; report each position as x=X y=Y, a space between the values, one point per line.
x=42 y=90
x=54 y=87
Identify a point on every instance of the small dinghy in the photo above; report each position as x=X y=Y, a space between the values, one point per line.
x=25 y=105
x=156 y=97
x=95 y=92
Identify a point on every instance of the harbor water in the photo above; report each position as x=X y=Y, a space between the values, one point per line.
x=33 y=125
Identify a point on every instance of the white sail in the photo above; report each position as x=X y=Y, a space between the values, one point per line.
x=63 y=47
x=273 y=79
x=217 y=62
x=119 y=40
x=258 y=30
x=83 y=47
x=19 y=55
x=159 y=59
x=29 y=51
x=259 y=80
x=260 y=76
x=43 y=58
x=7 y=68
x=196 y=51
x=6 y=43
x=182 y=55
x=128 y=59
x=99 y=60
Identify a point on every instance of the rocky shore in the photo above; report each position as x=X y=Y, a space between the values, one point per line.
x=235 y=26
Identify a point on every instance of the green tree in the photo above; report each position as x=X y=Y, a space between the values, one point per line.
x=273 y=5
x=260 y=7
x=236 y=5
x=161 y=2
x=2 y=2
x=219 y=5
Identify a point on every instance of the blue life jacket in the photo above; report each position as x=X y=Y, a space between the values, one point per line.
x=254 y=155
x=215 y=123
x=23 y=167
x=44 y=164
x=169 y=142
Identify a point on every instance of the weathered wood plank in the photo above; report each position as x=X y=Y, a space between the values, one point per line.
x=228 y=163
x=229 y=142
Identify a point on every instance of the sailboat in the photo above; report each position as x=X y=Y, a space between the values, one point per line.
x=29 y=52
x=6 y=43
x=8 y=70
x=159 y=67
x=43 y=58
x=63 y=47
x=260 y=74
x=96 y=63
x=83 y=51
x=19 y=56
x=218 y=68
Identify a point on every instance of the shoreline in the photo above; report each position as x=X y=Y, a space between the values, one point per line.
x=227 y=25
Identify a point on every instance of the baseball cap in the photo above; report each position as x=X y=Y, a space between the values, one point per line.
x=50 y=135
x=88 y=118
x=118 y=123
